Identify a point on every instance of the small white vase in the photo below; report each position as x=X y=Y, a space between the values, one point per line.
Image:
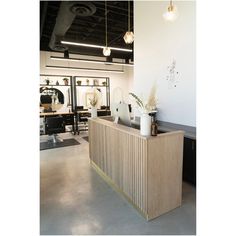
x=93 y=112
x=145 y=125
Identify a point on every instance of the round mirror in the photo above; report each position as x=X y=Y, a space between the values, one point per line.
x=51 y=99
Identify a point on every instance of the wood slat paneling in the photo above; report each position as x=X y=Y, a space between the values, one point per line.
x=148 y=171
x=165 y=173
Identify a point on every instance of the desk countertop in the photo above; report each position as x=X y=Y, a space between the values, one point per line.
x=88 y=111
x=54 y=113
x=107 y=121
x=190 y=132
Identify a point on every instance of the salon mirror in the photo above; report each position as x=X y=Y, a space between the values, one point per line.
x=51 y=99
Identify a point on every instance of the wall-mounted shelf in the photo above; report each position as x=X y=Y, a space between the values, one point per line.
x=92 y=86
x=76 y=90
x=54 y=85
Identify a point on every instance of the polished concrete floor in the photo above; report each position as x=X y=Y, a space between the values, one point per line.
x=74 y=199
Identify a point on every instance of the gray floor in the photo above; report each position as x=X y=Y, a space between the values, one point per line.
x=75 y=200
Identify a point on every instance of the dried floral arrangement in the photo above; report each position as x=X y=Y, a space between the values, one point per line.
x=93 y=101
x=150 y=104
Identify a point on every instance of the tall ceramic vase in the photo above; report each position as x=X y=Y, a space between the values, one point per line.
x=93 y=112
x=145 y=125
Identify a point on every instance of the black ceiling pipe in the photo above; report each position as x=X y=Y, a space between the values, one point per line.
x=65 y=17
x=43 y=16
x=63 y=22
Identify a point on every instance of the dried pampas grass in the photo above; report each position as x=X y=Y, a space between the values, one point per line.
x=151 y=103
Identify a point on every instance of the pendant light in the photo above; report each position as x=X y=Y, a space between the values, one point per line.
x=106 y=50
x=129 y=35
x=172 y=13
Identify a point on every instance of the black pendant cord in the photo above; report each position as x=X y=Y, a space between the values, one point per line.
x=129 y=16
x=106 y=20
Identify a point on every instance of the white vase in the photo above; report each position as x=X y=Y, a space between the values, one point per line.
x=93 y=112
x=145 y=125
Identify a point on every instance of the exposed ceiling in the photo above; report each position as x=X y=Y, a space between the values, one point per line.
x=84 y=22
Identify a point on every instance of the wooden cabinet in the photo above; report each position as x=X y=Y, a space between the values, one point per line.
x=189 y=161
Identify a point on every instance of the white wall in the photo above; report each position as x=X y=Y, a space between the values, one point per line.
x=157 y=44
x=118 y=82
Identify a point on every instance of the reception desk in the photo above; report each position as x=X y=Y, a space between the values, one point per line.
x=146 y=170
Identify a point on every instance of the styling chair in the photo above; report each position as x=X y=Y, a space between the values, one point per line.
x=53 y=126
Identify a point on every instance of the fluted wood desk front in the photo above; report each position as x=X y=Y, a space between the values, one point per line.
x=146 y=170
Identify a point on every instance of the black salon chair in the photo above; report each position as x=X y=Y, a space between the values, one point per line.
x=53 y=126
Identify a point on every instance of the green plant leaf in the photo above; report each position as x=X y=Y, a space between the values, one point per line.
x=138 y=100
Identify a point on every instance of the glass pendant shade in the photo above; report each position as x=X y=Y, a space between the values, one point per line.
x=106 y=51
x=171 y=14
x=129 y=37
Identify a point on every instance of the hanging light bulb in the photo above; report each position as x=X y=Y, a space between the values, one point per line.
x=129 y=35
x=172 y=13
x=106 y=50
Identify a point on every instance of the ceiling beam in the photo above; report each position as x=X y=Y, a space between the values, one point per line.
x=109 y=19
x=115 y=12
x=95 y=30
x=96 y=24
x=116 y=7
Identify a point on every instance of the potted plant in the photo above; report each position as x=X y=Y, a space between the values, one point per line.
x=79 y=82
x=47 y=81
x=146 y=107
x=87 y=81
x=66 y=81
x=104 y=83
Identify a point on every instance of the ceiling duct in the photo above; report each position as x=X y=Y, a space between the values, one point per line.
x=83 y=9
x=66 y=15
